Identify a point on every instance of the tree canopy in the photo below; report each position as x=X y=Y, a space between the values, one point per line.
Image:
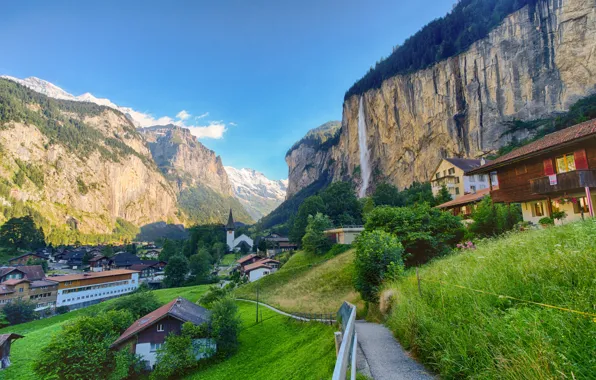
x=21 y=233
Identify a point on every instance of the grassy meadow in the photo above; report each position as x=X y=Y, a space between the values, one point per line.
x=277 y=348
x=228 y=259
x=465 y=334
x=38 y=333
x=308 y=284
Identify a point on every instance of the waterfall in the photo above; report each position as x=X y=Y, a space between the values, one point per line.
x=364 y=153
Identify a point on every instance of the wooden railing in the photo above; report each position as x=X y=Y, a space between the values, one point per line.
x=346 y=357
x=575 y=180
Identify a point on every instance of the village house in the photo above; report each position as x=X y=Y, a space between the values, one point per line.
x=344 y=235
x=82 y=290
x=27 y=283
x=124 y=260
x=5 y=343
x=277 y=244
x=451 y=173
x=146 y=335
x=100 y=263
x=465 y=205
x=554 y=174
x=247 y=260
x=26 y=258
x=261 y=268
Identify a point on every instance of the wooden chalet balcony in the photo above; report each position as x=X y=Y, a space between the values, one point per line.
x=574 y=180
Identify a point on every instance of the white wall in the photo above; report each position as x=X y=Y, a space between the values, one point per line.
x=230 y=239
x=244 y=238
x=69 y=299
x=567 y=207
x=256 y=274
x=474 y=180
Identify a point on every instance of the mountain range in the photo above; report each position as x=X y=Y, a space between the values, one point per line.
x=88 y=169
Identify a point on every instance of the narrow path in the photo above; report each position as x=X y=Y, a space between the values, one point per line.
x=385 y=357
x=299 y=318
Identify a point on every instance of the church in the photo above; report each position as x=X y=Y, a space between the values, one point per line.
x=236 y=243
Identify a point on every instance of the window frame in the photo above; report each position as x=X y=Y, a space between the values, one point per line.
x=160 y=327
x=567 y=160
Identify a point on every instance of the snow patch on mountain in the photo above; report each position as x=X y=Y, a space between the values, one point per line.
x=259 y=194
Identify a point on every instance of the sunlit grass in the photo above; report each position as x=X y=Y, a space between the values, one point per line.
x=464 y=334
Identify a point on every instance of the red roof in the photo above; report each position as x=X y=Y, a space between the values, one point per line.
x=468 y=198
x=15 y=281
x=553 y=140
x=145 y=321
x=86 y=276
x=246 y=258
x=257 y=265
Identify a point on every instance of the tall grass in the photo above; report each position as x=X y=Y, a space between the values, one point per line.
x=465 y=334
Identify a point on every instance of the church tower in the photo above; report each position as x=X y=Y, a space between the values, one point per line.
x=230 y=232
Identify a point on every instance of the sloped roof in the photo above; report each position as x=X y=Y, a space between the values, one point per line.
x=11 y=336
x=468 y=198
x=15 y=281
x=40 y=283
x=246 y=258
x=140 y=267
x=31 y=272
x=126 y=258
x=27 y=254
x=465 y=164
x=84 y=276
x=257 y=265
x=548 y=142
x=179 y=308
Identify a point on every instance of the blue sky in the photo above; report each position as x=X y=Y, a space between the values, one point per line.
x=268 y=71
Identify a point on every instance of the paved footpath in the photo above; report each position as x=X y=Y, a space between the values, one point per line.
x=385 y=357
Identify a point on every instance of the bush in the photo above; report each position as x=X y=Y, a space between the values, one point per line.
x=377 y=252
x=81 y=350
x=494 y=219
x=175 y=358
x=315 y=241
x=137 y=304
x=19 y=311
x=559 y=215
x=62 y=310
x=176 y=271
x=424 y=232
x=225 y=324
x=213 y=295
x=546 y=221
x=338 y=249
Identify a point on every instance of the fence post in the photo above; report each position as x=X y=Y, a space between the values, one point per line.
x=418 y=278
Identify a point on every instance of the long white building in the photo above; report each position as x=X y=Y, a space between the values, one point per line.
x=82 y=290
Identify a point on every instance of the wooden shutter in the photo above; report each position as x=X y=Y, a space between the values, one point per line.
x=581 y=161
x=548 y=166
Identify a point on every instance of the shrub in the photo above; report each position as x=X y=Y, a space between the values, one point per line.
x=175 y=358
x=338 y=249
x=137 y=304
x=81 y=350
x=19 y=311
x=376 y=253
x=424 y=232
x=213 y=295
x=225 y=324
x=559 y=215
x=62 y=310
x=315 y=241
x=546 y=221
x=494 y=219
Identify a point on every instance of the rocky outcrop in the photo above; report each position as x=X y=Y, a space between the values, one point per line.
x=539 y=61
x=185 y=161
x=311 y=156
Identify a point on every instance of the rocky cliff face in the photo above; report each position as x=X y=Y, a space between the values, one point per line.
x=538 y=62
x=185 y=161
x=94 y=185
x=311 y=156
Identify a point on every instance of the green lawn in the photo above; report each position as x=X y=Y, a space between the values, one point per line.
x=464 y=334
x=228 y=259
x=38 y=333
x=307 y=283
x=278 y=348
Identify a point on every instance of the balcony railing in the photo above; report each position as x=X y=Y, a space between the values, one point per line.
x=574 y=180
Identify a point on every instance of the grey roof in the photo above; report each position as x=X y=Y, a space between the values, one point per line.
x=190 y=312
x=125 y=258
x=40 y=283
x=465 y=163
x=31 y=272
x=230 y=225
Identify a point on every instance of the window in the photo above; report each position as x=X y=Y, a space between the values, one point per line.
x=452 y=171
x=21 y=290
x=473 y=189
x=155 y=346
x=565 y=163
x=581 y=205
x=457 y=190
x=519 y=170
x=537 y=209
x=472 y=178
x=160 y=327
x=456 y=180
x=481 y=177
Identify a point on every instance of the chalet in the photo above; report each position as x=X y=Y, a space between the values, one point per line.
x=27 y=282
x=465 y=205
x=556 y=173
x=29 y=272
x=145 y=270
x=82 y=290
x=100 y=263
x=157 y=264
x=152 y=253
x=451 y=173
x=5 y=342
x=344 y=235
x=26 y=258
x=145 y=336
x=259 y=269
x=124 y=260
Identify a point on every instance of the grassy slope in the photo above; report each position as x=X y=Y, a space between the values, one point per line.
x=460 y=333
x=276 y=349
x=307 y=283
x=228 y=259
x=38 y=333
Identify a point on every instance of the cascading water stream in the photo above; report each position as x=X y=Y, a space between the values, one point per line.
x=363 y=147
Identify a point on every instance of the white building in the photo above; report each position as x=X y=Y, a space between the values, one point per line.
x=82 y=290
x=235 y=243
x=451 y=173
x=260 y=269
x=344 y=235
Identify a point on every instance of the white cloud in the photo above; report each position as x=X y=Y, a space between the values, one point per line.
x=183 y=115
x=233 y=124
x=202 y=116
x=215 y=130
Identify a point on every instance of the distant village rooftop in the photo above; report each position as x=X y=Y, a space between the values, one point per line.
x=85 y=276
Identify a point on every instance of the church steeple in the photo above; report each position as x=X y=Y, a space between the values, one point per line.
x=230 y=225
